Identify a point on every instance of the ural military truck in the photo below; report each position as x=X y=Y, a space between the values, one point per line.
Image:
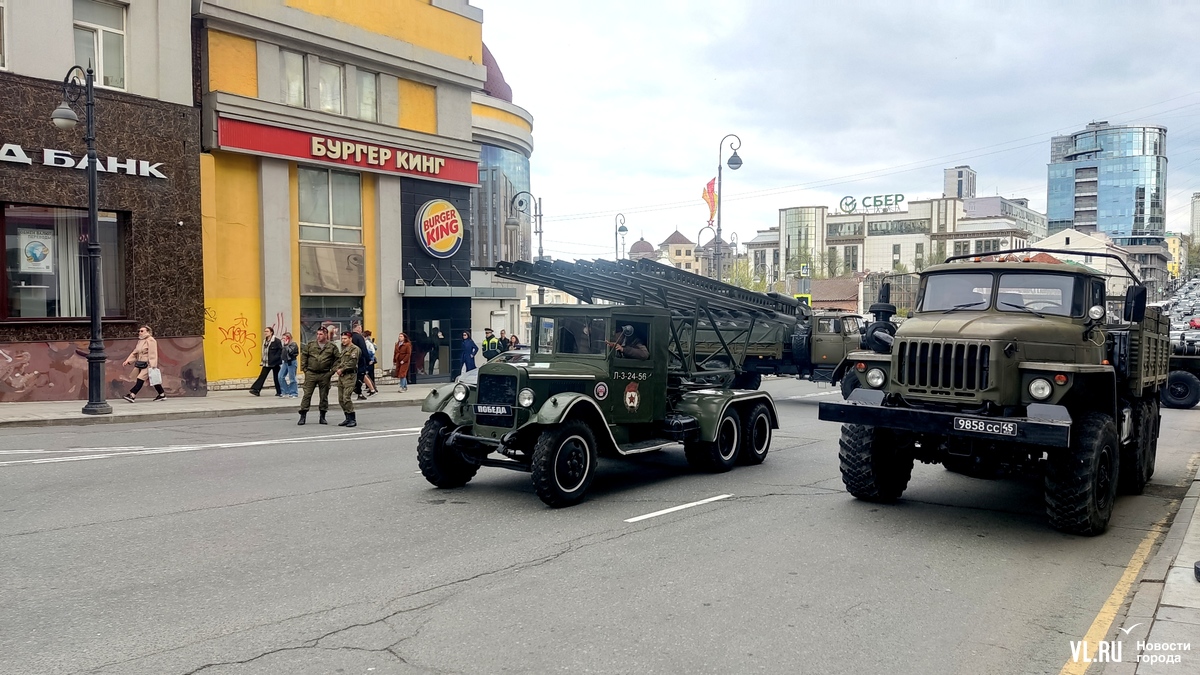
x=610 y=380
x=1012 y=363
x=1183 y=384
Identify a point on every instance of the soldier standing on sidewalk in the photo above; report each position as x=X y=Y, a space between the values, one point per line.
x=346 y=373
x=316 y=361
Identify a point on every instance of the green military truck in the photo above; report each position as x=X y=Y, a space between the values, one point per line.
x=610 y=380
x=1183 y=381
x=1011 y=363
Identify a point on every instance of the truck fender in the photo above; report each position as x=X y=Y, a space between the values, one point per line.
x=441 y=400
x=573 y=405
x=709 y=405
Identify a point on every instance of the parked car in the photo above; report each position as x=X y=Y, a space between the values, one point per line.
x=518 y=355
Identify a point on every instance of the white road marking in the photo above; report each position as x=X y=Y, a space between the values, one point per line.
x=673 y=509
x=126 y=451
x=819 y=393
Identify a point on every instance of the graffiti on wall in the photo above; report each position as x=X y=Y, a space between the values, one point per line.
x=57 y=371
x=241 y=340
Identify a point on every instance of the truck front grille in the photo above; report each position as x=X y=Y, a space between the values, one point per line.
x=497 y=390
x=943 y=366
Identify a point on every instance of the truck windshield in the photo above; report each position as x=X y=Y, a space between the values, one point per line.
x=956 y=291
x=1039 y=293
x=571 y=335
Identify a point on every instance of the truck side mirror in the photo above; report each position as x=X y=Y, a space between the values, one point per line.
x=885 y=293
x=1135 y=304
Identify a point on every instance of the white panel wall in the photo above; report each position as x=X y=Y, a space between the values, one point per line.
x=278 y=274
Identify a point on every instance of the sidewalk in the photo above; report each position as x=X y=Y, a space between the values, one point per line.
x=215 y=404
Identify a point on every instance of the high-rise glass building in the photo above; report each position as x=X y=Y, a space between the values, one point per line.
x=1111 y=179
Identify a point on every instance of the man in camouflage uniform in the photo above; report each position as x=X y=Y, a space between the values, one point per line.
x=316 y=361
x=346 y=370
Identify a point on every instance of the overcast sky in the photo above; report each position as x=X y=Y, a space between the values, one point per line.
x=631 y=99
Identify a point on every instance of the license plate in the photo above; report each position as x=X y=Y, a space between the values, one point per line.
x=993 y=427
x=492 y=410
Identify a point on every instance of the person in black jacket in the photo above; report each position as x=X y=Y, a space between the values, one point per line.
x=272 y=358
x=364 y=360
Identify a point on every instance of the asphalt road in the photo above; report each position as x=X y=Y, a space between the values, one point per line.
x=251 y=545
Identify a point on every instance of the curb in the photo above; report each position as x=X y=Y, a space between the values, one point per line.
x=133 y=417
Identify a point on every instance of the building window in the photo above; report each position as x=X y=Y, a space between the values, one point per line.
x=367 y=107
x=100 y=41
x=337 y=312
x=329 y=85
x=330 y=206
x=688 y=252
x=687 y=266
x=46 y=262
x=3 y=42
x=987 y=245
x=291 y=65
x=850 y=258
x=962 y=248
x=678 y=252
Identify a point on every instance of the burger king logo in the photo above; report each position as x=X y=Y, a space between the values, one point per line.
x=439 y=228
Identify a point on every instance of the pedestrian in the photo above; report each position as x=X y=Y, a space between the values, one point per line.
x=417 y=363
x=287 y=371
x=360 y=368
x=469 y=350
x=144 y=358
x=505 y=343
x=491 y=345
x=436 y=342
x=401 y=359
x=316 y=360
x=368 y=377
x=272 y=359
x=346 y=368
x=514 y=342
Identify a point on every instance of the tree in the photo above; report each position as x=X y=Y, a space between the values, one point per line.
x=740 y=275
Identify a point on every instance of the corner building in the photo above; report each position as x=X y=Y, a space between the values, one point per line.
x=342 y=147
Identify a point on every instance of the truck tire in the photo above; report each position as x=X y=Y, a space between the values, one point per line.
x=1182 y=390
x=849 y=383
x=564 y=463
x=721 y=454
x=875 y=465
x=441 y=464
x=1081 y=483
x=751 y=381
x=1137 y=456
x=756 y=435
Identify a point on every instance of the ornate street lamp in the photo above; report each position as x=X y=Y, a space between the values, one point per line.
x=700 y=232
x=735 y=163
x=64 y=117
x=521 y=202
x=619 y=230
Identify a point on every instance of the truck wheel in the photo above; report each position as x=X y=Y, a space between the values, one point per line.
x=1182 y=390
x=1081 y=483
x=721 y=454
x=564 y=463
x=756 y=435
x=875 y=465
x=1155 y=422
x=849 y=383
x=751 y=381
x=441 y=464
x=1136 y=457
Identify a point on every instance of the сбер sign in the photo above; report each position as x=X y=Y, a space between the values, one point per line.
x=11 y=152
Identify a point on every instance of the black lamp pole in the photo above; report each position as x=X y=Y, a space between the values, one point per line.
x=735 y=163
x=65 y=118
x=521 y=202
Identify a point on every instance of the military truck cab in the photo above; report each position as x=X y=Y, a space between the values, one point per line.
x=601 y=380
x=1005 y=366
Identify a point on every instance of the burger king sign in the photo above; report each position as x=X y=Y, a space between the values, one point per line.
x=439 y=228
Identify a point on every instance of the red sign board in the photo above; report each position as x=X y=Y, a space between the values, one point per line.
x=280 y=142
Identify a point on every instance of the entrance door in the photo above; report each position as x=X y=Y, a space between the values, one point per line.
x=435 y=326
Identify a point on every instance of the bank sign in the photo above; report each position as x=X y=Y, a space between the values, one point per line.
x=850 y=204
x=15 y=154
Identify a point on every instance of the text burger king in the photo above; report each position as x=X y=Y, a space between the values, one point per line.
x=439 y=228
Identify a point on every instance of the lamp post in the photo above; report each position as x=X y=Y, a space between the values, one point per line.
x=64 y=117
x=619 y=229
x=700 y=232
x=735 y=163
x=521 y=202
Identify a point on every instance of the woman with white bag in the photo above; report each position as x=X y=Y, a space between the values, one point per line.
x=145 y=359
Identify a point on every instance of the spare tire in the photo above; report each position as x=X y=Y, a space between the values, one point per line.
x=1182 y=390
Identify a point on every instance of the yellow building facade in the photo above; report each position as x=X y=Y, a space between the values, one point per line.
x=1177 y=247
x=342 y=150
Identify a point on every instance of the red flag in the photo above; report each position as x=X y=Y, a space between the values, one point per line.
x=710 y=198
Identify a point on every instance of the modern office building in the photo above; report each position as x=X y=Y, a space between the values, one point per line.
x=959 y=182
x=359 y=160
x=1195 y=229
x=148 y=189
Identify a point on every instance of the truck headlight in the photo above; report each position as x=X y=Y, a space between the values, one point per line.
x=876 y=378
x=1040 y=389
x=525 y=398
x=1096 y=312
x=460 y=392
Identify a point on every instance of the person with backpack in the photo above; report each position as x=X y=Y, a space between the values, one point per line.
x=491 y=345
